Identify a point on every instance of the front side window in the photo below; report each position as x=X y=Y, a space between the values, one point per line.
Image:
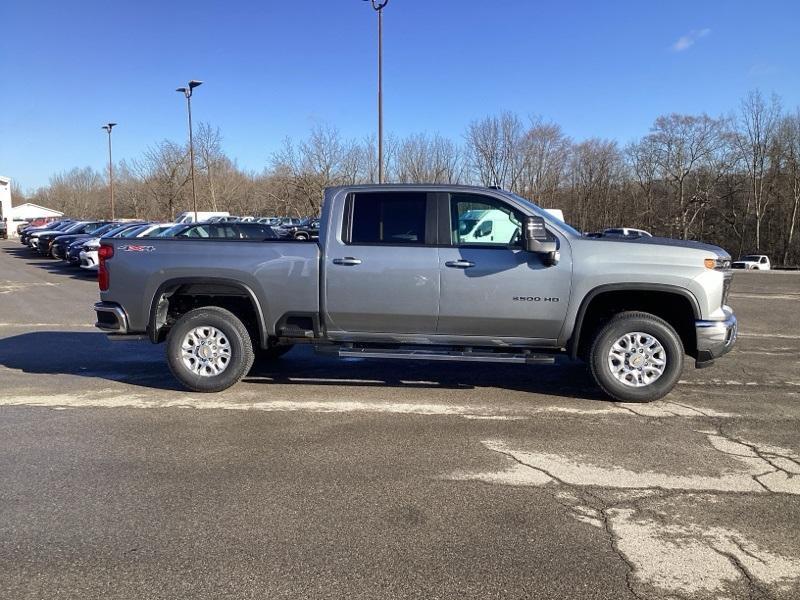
x=478 y=220
x=391 y=218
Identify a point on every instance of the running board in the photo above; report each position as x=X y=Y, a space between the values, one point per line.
x=448 y=355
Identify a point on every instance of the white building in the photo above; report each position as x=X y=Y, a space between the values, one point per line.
x=13 y=216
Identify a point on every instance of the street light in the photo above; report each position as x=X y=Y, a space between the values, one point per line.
x=379 y=5
x=108 y=127
x=187 y=91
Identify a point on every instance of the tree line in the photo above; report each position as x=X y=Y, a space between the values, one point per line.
x=732 y=180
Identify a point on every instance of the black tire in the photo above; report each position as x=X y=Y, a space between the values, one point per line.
x=629 y=322
x=241 y=349
x=301 y=236
x=272 y=353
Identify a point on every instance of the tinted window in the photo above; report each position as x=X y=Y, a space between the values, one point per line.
x=210 y=230
x=256 y=231
x=482 y=220
x=133 y=232
x=389 y=218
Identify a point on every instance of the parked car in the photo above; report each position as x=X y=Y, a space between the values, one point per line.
x=246 y=231
x=626 y=232
x=61 y=243
x=87 y=253
x=308 y=230
x=47 y=240
x=40 y=222
x=753 y=262
x=394 y=277
x=189 y=216
x=31 y=237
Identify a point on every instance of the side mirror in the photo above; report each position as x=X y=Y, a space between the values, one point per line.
x=537 y=240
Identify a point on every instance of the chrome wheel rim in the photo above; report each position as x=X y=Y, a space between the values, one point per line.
x=637 y=359
x=206 y=351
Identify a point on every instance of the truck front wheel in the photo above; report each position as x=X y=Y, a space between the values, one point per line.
x=636 y=357
x=209 y=349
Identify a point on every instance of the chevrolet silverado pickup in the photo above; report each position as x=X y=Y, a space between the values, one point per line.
x=426 y=272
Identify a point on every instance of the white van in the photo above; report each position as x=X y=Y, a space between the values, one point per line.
x=188 y=216
x=491 y=226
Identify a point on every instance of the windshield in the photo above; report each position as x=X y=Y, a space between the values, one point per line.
x=116 y=229
x=104 y=229
x=751 y=258
x=170 y=232
x=76 y=227
x=548 y=217
x=466 y=225
x=133 y=231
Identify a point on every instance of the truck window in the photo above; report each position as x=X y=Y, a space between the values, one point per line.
x=389 y=218
x=485 y=221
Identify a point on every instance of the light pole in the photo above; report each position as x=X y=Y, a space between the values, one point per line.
x=108 y=127
x=379 y=5
x=187 y=91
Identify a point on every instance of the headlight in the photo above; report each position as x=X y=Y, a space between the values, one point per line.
x=718 y=264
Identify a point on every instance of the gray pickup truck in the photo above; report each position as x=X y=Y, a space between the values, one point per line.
x=426 y=272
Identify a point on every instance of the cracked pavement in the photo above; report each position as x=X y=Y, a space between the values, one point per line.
x=374 y=479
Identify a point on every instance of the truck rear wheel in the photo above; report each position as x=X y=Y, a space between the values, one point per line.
x=209 y=349
x=636 y=357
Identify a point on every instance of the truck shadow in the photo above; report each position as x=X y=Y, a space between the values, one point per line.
x=302 y=366
x=87 y=354
x=92 y=355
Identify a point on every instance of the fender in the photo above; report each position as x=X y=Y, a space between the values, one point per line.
x=152 y=332
x=572 y=344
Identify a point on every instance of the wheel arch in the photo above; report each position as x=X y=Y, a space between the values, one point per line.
x=206 y=287
x=639 y=294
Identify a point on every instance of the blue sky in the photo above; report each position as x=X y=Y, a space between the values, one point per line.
x=276 y=68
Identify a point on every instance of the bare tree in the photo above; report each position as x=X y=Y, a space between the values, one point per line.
x=790 y=146
x=545 y=152
x=681 y=145
x=756 y=129
x=493 y=144
x=164 y=170
x=423 y=159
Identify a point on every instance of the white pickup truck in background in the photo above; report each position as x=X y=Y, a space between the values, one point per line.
x=753 y=262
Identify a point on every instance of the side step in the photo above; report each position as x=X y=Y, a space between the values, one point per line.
x=523 y=358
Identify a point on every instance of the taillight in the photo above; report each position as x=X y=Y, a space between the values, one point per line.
x=104 y=253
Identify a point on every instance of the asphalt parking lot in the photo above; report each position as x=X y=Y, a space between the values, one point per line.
x=369 y=479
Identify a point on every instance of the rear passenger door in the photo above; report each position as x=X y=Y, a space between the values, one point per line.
x=382 y=267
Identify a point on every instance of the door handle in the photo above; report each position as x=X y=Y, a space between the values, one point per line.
x=459 y=264
x=347 y=261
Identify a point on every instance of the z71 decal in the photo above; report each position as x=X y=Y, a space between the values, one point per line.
x=131 y=248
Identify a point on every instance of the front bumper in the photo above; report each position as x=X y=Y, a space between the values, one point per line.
x=88 y=260
x=715 y=338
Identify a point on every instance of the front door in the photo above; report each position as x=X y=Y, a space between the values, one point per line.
x=490 y=285
x=382 y=268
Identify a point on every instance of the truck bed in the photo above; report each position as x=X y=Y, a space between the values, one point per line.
x=282 y=276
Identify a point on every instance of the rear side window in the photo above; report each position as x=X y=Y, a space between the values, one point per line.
x=391 y=218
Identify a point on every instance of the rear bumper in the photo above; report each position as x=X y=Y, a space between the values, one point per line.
x=715 y=338
x=111 y=318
